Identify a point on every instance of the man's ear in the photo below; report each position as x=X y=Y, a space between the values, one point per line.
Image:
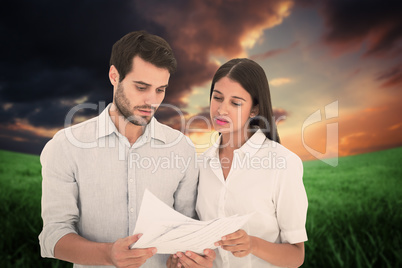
x=254 y=111
x=114 y=75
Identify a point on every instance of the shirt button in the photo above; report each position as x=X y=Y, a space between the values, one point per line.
x=131 y=210
x=131 y=180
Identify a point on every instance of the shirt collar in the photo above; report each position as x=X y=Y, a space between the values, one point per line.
x=250 y=147
x=105 y=126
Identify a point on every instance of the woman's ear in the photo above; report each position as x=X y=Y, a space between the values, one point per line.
x=254 y=111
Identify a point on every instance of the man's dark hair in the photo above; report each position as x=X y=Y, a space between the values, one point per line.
x=149 y=47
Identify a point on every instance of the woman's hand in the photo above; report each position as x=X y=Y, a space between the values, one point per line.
x=190 y=259
x=239 y=243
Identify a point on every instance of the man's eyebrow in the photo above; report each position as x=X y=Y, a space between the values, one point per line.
x=217 y=91
x=148 y=85
x=142 y=83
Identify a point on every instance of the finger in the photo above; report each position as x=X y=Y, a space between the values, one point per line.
x=234 y=248
x=172 y=261
x=169 y=261
x=186 y=261
x=196 y=258
x=204 y=261
x=238 y=241
x=210 y=254
x=133 y=238
x=142 y=252
x=240 y=253
x=235 y=235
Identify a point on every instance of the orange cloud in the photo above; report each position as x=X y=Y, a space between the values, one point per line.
x=216 y=27
x=280 y=81
x=200 y=31
x=368 y=130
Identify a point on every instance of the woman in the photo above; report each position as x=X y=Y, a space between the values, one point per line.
x=249 y=171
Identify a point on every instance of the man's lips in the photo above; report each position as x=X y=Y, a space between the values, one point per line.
x=145 y=112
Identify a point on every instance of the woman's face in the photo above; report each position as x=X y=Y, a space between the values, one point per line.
x=231 y=107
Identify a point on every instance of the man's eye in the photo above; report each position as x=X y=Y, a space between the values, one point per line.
x=141 y=88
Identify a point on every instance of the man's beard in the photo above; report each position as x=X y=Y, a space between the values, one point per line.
x=123 y=107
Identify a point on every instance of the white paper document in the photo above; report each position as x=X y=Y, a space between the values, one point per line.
x=169 y=231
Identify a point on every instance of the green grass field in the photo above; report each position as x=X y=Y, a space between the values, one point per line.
x=354 y=216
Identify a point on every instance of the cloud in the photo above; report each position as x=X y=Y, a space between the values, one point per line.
x=391 y=78
x=16 y=138
x=199 y=30
x=280 y=114
x=274 y=52
x=280 y=81
x=57 y=54
x=368 y=130
x=375 y=27
x=60 y=50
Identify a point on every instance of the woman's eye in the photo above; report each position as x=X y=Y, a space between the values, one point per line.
x=160 y=90
x=217 y=98
x=236 y=103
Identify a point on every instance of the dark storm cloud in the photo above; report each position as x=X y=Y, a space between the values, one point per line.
x=21 y=141
x=59 y=51
x=350 y=23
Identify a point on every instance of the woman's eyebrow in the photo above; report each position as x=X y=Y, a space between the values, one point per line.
x=240 y=98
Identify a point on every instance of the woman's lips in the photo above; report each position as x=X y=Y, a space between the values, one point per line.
x=221 y=121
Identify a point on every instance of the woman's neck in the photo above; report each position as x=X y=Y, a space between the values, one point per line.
x=233 y=140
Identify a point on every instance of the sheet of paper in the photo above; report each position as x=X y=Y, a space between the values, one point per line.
x=169 y=231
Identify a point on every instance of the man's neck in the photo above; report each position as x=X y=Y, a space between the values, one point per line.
x=130 y=131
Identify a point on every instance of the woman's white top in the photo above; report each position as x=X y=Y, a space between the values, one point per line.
x=265 y=179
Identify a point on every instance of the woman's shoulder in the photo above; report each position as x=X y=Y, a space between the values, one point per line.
x=273 y=147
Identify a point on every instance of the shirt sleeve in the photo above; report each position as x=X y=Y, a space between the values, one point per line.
x=291 y=201
x=186 y=193
x=59 y=195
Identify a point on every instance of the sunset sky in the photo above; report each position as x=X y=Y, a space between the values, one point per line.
x=339 y=57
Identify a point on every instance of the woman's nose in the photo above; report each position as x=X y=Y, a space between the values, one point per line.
x=222 y=109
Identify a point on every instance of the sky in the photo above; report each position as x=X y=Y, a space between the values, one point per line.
x=333 y=66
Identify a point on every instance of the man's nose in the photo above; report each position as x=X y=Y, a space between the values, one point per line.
x=150 y=98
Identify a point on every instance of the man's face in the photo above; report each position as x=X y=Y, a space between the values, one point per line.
x=141 y=92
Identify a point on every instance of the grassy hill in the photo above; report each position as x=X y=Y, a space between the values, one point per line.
x=353 y=220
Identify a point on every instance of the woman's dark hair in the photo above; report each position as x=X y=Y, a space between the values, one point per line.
x=150 y=48
x=252 y=78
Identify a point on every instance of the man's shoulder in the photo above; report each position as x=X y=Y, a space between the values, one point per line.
x=84 y=131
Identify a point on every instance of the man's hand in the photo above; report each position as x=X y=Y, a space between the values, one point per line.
x=193 y=260
x=239 y=243
x=122 y=256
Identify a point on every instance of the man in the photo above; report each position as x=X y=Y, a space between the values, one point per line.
x=95 y=173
